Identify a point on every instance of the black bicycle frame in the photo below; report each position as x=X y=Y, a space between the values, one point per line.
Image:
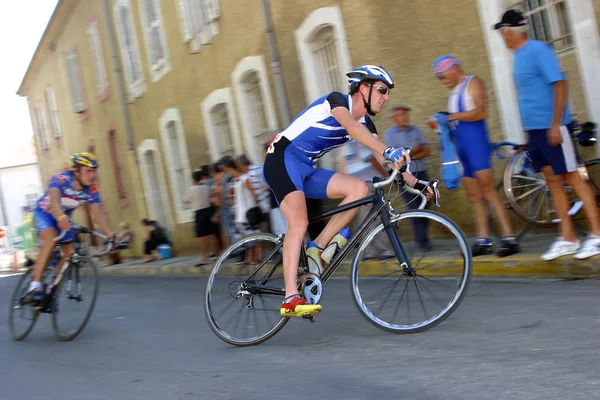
x=379 y=206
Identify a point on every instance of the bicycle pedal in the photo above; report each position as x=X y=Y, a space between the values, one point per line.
x=311 y=318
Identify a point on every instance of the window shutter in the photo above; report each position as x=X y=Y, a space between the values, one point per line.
x=75 y=81
x=213 y=9
x=185 y=17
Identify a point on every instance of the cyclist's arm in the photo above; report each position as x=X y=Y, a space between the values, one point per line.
x=477 y=91
x=100 y=219
x=359 y=132
x=55 y=207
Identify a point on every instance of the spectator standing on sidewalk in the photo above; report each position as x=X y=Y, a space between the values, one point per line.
x=197 y=198
x=467 y=106
x=542 y=93
x=402 y=134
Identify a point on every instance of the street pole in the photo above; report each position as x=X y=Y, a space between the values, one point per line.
x=284 y=110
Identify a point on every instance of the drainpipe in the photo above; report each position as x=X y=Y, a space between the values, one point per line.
x=284 y=110
x=119 y=73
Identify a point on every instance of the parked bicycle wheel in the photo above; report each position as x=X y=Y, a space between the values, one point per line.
x=236 y=312
x=21 y=315
x=401 y=301
x=75 y=298
x=520 y=226
x=530 y=197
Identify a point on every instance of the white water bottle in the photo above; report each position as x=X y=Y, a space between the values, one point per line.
x=335 y=245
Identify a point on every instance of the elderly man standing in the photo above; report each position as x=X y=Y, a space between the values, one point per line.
x=405 y=135
x=467 y=105
x=542 y=95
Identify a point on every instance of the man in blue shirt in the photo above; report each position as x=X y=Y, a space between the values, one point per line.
x=402 y=134
x=542 y=96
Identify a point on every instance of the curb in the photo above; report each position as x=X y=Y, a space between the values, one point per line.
x=487 y=266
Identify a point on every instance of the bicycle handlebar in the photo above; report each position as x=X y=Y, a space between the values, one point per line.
x=82 y=229
x=395 y=171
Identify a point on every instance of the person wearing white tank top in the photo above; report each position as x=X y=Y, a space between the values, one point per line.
x=467 y=112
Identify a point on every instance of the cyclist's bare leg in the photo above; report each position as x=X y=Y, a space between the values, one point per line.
x=47 y=236
x=349 y=188
x=485 y=180
x=560 y=200
x=293 y=208
x=475 y=196
x=585 y=193
x=67 y=249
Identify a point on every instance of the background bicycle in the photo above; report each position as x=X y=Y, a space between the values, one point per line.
x=71 y=291
x=526 y=194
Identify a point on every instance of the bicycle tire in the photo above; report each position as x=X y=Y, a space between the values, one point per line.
x=16 y=296
x=56 y=300
x=456 y=300
x=208 y=297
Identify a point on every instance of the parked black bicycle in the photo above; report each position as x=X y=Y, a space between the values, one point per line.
x=71 y=288
x=411 y=293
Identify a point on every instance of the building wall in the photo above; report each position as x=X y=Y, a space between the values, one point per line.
x=403 y=36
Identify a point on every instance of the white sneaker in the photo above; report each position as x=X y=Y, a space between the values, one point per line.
x=590 y=248
x=560 y=248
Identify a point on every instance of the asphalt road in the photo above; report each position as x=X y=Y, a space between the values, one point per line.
x=148 y=339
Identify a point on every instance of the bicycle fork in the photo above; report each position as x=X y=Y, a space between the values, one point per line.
x=403 y=258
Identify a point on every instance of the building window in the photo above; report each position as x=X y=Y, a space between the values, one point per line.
x=75 y=81
x=198 y=21
x=323 y=52
x=175 y=148
x=222 y=127
x=220 y=124
x=255 y=103
x=156 y=44
x=52 y=112
x=325 y=56
x=40 y=125
x=98 y=57
x=130 y=52
x=113 y=146
x=31 y=200
x=157 y=195
x=548 y=22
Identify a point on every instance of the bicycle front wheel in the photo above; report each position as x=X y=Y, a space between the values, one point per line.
x=21 y=315
x=413 y=298
x=75 y=298
x=245 y=290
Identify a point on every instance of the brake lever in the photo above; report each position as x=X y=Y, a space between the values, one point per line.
x=434 y=186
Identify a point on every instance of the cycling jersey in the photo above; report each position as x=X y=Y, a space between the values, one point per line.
x=315 y=131
x=291 y=158
x=70 y=198
x=69 y=201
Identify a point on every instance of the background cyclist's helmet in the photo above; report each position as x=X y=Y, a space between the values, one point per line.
x=84 y=160
x=370 y=73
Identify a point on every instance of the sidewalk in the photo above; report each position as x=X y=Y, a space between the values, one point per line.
x=525 y=264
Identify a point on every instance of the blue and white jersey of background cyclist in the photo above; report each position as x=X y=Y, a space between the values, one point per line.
x=315 y=131
x=70 y=198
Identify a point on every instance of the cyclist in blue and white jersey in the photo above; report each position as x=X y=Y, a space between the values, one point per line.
x=66 y=192
x=289 y=169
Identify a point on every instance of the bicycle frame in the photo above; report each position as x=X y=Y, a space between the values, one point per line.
x=379 y=207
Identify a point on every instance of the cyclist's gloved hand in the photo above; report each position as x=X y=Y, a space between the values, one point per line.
x=393 y=154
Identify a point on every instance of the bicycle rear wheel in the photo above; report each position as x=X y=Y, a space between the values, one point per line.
x=434 y=286
x=237 y=311
x=21 y=315
x=75 y=298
